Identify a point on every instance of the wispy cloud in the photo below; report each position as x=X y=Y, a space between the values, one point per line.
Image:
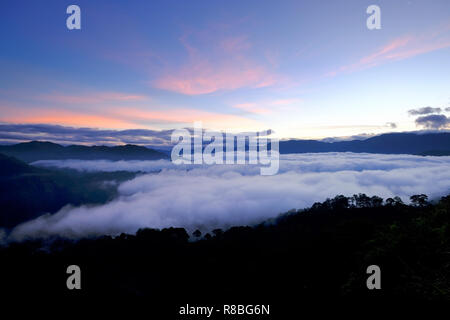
x=221 y=64
x=400 y=48
x=91 y=98
x=116 y=117
x=251 y=108
x=182 y=116
x=266 y=107
x=65 y=117
x=286 y=102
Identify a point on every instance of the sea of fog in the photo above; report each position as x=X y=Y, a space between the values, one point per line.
x=220 y=196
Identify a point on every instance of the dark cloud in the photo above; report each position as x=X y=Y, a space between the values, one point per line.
x=447 y=109
x=424 y=110
x=14 y=133
x=391 y=125
x=362 y=136
x=433 y=121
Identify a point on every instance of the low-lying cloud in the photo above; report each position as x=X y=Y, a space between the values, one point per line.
x=220 y=196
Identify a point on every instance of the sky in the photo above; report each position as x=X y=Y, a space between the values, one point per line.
x=305 y=69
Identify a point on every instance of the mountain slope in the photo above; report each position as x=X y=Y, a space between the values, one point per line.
x=10 y=166
x=27 y=192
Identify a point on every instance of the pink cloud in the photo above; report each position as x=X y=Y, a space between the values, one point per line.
x=283 y=102
x=235 y=44
x=384 y=52
x=251 y=108
x=202 y=79
x=399 y=49
x=265 y=107
x=223 y=65
x=183 y=116
x=90 y=98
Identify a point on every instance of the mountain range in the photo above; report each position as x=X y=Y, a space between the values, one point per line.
x=41 y=150
x=389 y=143
x=437 y=144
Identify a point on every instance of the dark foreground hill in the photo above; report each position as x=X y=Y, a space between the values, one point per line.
x=319 y=254
x=389 y=143
x=27 y=192
x=38 y=150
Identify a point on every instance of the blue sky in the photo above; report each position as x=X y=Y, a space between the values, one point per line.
x=302 y=68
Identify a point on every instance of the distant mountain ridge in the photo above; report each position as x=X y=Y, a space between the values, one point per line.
x=41 y=150
x=389 y=143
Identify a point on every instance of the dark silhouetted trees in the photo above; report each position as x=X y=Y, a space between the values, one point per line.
x=419 y=200
x=197 y=233
x=322 y=252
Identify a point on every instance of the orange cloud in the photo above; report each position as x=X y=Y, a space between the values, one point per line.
x=68 y=118
x=124 y=118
